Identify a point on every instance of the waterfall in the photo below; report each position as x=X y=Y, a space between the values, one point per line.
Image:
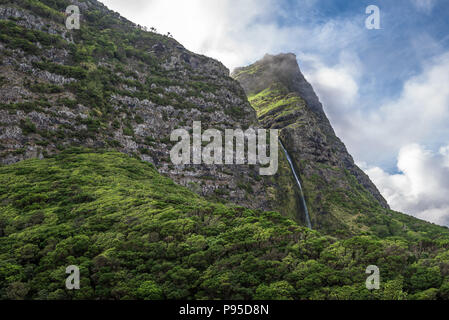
x=298 y=182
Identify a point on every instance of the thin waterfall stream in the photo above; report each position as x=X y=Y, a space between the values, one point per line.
x=298 y=182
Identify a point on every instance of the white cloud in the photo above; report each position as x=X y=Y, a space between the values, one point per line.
x=424 y=5
x=231 y=31
x=336 y=83
x=336 y=86
x=419 y=115
x=237 y=32
x=422 y=186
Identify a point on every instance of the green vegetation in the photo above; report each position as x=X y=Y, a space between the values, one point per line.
x=137 y=235
x=17 y=37
x=63 y=70
x=274 y=102
x=46 y=88
x=27 y=126
x=27 y=106
x=43 y=7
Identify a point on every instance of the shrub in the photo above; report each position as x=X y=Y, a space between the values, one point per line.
x=27 y=127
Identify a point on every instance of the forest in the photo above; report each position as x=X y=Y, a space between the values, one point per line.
x=137 y=235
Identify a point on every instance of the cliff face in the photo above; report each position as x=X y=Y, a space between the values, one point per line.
x=337 y=191
x=112 y=84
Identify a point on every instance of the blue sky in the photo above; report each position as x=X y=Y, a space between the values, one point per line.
x=385 y=91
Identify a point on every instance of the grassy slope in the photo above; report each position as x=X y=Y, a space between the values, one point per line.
x=137 y=235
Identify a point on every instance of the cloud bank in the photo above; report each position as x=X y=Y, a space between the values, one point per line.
x=422 y=186
x=417 y=117
x=419 y=114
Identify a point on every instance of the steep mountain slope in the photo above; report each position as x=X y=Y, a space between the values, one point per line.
x=122 y=216
x=112 y=84
x=341 y=197
x=137 y=235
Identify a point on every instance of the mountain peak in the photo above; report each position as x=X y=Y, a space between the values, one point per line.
x=284 y=100
x=281 y=70
x=279 y=58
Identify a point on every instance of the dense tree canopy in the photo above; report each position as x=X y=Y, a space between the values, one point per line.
x=136 y=235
